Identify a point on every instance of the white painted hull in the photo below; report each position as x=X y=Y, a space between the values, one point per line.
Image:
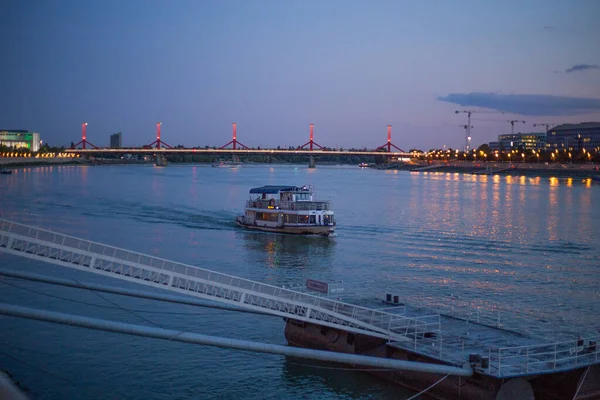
x=324 y=230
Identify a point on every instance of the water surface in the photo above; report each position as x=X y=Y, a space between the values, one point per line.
x=524 y=244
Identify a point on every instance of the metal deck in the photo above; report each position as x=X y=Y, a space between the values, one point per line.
x=56 y=248
x=510 y=353
x=513 y=346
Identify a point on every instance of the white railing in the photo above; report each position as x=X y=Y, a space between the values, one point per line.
x=503 y=361
x=289 y=205
x=96 y=257
x=523 y=360
x=539 y=322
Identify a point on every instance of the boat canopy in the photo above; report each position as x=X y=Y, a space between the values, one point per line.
x=274 y=189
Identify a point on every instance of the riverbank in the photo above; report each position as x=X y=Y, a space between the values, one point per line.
x=44 y=162
x=582 y=171
x=528 y=169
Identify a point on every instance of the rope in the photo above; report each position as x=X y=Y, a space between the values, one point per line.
x=581 y=384
x=422 y=392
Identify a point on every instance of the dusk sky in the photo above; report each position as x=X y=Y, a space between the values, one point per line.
x=274 y=67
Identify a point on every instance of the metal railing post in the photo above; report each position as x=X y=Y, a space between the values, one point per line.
x=415 y=340
x=490 y=360
x=499 y=362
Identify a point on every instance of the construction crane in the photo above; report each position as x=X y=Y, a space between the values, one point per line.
x=467 y=129
x=468 y=125
x=545 y=125
x=512 y=124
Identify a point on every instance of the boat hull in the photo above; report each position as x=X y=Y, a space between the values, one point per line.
x=322 y=230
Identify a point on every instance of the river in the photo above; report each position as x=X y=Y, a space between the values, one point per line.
x=529 y=245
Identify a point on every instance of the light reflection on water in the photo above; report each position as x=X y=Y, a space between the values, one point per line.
x=527 y=244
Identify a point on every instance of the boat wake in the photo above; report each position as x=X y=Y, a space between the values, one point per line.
x=198 y=219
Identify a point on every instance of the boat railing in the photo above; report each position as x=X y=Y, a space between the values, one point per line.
x=523 y=360
x=538 y=322
x=289 y=205
x=547 y=355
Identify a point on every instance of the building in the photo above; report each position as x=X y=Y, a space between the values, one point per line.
x=115 y=140
x=575 y=137
x=520 y=141
x=20 y=139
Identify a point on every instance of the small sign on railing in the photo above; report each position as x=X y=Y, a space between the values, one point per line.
x=317 y=286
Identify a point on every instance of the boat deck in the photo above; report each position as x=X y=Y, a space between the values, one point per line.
x=508 y=353
x=499 y=349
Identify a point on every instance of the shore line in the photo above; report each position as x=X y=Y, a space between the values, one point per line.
x=555 y=170
x=582 y=171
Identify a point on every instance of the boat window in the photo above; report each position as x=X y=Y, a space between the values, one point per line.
x=313 y=219
x=303 y=219
x=291 y=218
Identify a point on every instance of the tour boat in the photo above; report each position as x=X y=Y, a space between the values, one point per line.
x=287 y=209
x=363 y=165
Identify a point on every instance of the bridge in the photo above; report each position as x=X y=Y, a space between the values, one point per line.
x=168 y=151
x=234 y=147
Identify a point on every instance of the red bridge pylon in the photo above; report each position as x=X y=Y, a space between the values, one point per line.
x=311 y=142
x=389 y=143
x=158 y=142
x=83 y=140
x=234 y=143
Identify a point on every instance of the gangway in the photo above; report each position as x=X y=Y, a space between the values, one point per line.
x=56 y=248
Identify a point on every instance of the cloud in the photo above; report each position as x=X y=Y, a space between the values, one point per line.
x=581 y=67
x=526 y=104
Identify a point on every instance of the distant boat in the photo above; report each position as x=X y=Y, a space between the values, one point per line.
x=5 y=171
x=226 y=164
x=363 y=165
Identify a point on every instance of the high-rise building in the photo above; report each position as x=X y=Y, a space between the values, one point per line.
x=19 y=139
x=575 y=137
x=520 y=141
x=115 y=140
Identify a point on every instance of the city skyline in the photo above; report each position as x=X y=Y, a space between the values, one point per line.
x=351 y=68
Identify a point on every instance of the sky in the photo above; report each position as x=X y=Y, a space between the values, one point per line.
x=349 y=67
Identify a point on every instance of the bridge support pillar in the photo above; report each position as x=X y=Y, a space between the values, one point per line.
x=160 y=160
x=311 y=162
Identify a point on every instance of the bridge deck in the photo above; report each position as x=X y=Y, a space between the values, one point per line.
x=56 y=248
x=299 y=151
